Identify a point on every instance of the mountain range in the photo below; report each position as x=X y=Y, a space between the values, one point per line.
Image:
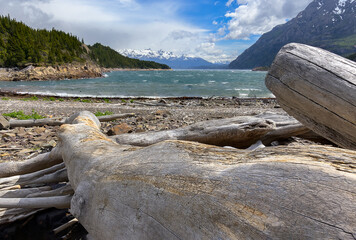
x=328 y=24
x=169 y=58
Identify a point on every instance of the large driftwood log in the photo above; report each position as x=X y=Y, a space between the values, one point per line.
x=186 y=190
x=238 y=132
x=319 y=89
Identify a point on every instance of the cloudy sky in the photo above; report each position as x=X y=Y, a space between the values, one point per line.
x=212 y=29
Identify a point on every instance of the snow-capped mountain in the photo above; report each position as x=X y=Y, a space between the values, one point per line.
x=169 y=58
x=328 y=24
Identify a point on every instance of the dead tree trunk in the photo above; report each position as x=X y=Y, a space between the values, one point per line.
x=186 y=190
x=318 y=88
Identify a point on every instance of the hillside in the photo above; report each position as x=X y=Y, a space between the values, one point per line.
x=328 y=24
x=107 y=57
x=21 y=46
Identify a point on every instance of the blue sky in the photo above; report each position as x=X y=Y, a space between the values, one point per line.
x=217 y=30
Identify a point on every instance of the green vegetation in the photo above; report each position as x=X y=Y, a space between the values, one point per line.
x=346 y=41
x=82 y=100
x=5 y=98
x=21 y=45
x=21 y=116
x=33 y=98
x=98 y=113
x=107 y=57
x=107 y=100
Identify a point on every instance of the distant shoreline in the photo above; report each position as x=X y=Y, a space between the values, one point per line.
x=28 y=95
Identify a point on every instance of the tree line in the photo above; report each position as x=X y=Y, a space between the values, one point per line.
x=21 y=46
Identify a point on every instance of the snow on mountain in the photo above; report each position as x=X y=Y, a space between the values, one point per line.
x=328 y=24
x=169 y=58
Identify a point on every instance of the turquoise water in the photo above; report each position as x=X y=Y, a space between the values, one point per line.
x=178 y=83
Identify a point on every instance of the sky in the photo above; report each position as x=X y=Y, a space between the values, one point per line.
x=216 y=30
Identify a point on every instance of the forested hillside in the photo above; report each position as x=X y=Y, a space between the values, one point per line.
x=21 y=45
x=107 y=57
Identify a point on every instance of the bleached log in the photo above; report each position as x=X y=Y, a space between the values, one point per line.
x=38 y=202
x=238 y=132
x=14 y=214
x=20 y=193
x=35 y=122
x=39 y=162
x=284 y=133
x=65 y=226
x=65 y=190
x=318 y=88
x=113 y=117
x=55 y=122
x=186 y=190
x=42 y=176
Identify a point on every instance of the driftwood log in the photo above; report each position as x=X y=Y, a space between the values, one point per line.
x=186 y=190
x=318 y=88
x=239 y=132
x=56 y=122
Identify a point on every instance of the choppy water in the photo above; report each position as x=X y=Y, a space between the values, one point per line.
x=178 y=83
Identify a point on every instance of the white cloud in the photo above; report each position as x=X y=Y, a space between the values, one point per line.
x=117 y=23
x=255 y=17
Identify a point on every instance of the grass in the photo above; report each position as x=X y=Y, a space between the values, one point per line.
x=98 y=113
x=346 y=42
x=5 y=98
x=107 y=100
x=21 y=116
x=33 y=98
x=82 y=100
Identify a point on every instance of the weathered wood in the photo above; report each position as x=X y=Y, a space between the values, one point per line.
x=113 y=117
x=37 y=163
x=284 y=133
x=186 y=190
x=35 y=122
x=20 y=193
x=38 y=202
x=65 y=226
x=318 y=88
x=238 y=132
x=55 y=122
x=42 y=176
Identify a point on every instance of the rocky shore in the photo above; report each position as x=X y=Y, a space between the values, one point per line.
x=150 y=115
x=68 y=71
x=59 y=72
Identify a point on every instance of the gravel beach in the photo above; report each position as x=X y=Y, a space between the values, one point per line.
x=150 y=115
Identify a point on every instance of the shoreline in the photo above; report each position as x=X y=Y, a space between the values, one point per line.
x=26 y=95
x=61 y=72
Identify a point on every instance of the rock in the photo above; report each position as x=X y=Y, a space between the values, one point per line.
x=40 y=130
x=4 y=124
x=120 y=129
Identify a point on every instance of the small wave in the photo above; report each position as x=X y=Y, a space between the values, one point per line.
x=224 y=83
x=212 y=81
x=248 y=89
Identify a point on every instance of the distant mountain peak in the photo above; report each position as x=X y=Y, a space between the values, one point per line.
x=168 y=58
x=328 y=24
